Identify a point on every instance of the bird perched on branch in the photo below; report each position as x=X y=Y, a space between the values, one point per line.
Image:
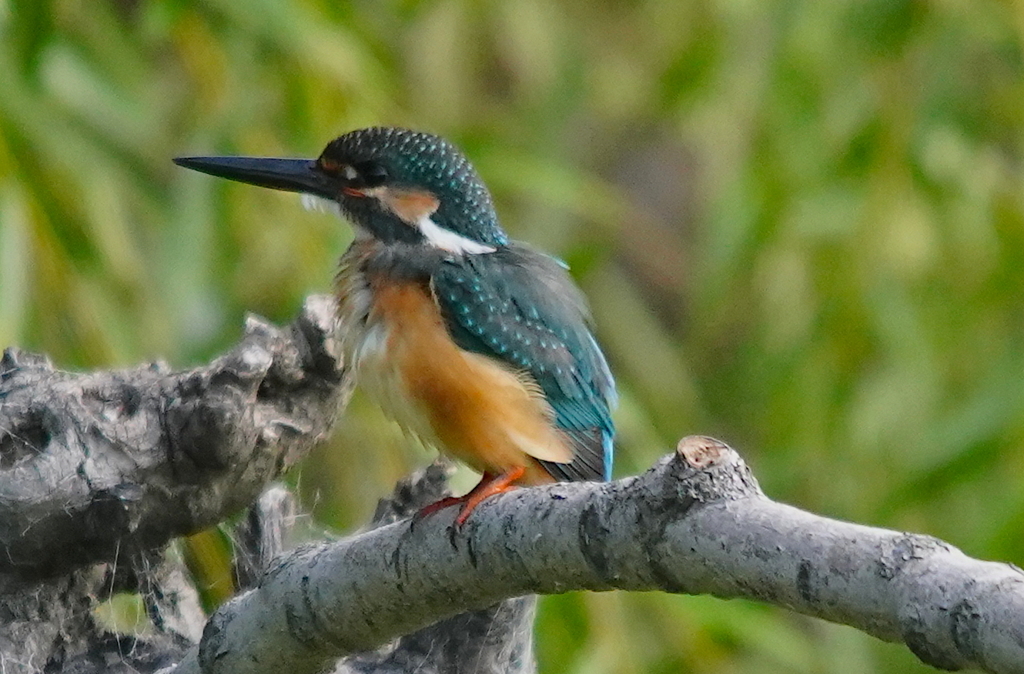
x=477 y=344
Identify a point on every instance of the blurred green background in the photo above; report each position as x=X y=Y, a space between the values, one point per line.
x=800 y=224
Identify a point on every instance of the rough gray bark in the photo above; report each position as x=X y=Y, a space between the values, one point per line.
x=494 y=640
x=99 y=471
x=497 y=639
x=48 y=624
x=695 y=523
x=115 y=463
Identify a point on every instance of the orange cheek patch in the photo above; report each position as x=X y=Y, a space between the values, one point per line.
x=410 y=205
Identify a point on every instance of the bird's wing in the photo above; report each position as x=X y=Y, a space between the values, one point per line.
x=520 y=307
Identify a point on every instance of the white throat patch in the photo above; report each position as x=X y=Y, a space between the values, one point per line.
x=312 y=202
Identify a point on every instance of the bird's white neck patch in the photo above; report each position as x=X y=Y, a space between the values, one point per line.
x=312 y=202
x=446 y=239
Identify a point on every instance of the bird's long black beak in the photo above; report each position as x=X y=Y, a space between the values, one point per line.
x=289 y=175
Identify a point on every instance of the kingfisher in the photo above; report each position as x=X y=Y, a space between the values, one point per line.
x=478 y=344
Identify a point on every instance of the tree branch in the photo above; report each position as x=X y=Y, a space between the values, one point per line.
x=493 y=640
x=103 y=464
x=696 y=523
x=108 y=466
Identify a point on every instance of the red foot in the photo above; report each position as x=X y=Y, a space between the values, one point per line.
x=489 y=485
x=441 y=504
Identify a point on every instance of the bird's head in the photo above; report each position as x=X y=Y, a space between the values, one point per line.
x=395 y=185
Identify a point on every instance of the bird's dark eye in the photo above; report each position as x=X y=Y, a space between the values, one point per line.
x=371 y=173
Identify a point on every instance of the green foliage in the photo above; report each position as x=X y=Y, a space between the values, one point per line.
x=801 y=225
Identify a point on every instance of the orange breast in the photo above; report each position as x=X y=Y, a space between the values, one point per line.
x=470 y=406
